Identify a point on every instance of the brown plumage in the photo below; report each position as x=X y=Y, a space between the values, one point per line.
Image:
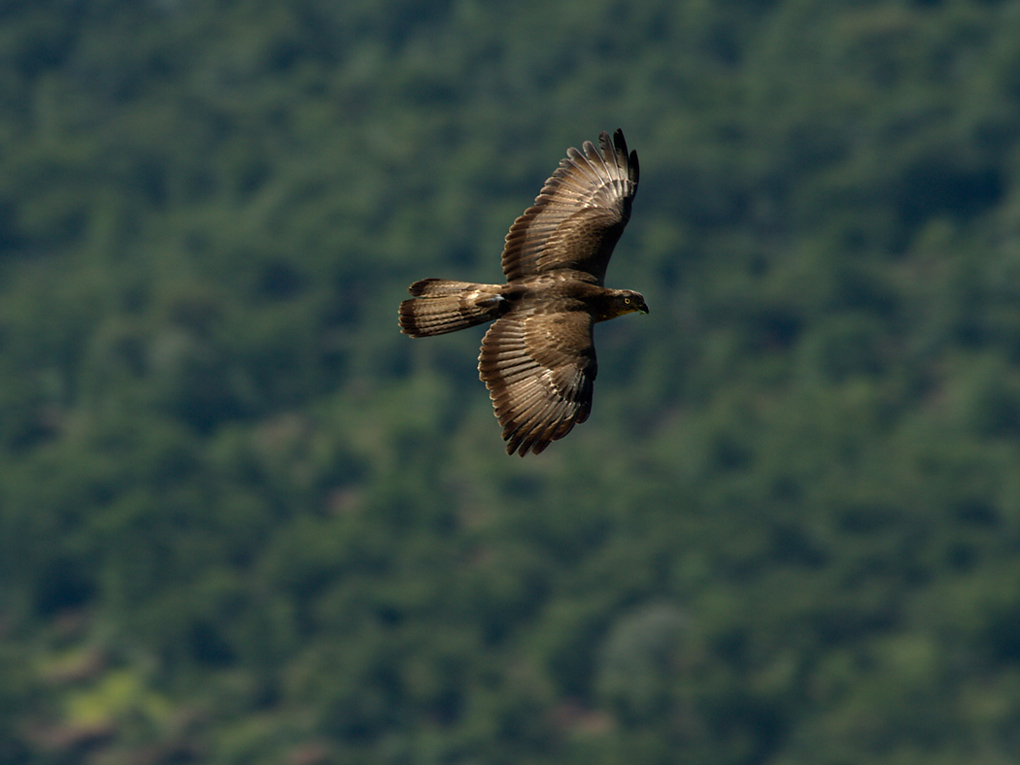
x=538 y=357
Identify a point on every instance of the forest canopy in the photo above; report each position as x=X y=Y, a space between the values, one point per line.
x=244 y=520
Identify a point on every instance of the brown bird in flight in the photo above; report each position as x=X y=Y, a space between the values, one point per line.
x=538 y=357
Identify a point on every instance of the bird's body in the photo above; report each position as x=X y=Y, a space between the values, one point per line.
x=538 y=357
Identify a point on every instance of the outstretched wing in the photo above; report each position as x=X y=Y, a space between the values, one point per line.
x=539 y=365
x=579 y=214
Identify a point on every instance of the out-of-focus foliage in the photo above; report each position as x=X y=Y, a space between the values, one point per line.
x=243 y=520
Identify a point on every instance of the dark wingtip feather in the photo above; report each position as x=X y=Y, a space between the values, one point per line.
x=620 y=144
x=538 y=447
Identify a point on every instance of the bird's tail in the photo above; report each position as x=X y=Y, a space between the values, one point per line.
x=442 y=305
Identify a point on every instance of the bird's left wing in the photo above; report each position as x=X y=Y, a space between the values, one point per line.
x=539 y=365
x=578 y=216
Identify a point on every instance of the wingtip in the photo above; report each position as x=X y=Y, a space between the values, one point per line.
x=619 y=142
x=515 y=445
x=620 y=147
x=522 y=448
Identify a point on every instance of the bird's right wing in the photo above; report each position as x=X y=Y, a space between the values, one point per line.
x=539 y=366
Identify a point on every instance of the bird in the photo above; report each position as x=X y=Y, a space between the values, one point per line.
x=537 y=359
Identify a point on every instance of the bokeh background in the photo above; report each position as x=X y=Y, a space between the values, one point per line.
x=244 y=520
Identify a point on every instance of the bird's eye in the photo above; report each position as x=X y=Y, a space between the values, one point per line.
x=627 y=301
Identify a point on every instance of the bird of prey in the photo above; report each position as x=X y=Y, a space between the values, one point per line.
x=538 y=357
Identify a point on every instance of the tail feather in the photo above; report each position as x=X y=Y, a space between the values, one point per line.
x=443 y=305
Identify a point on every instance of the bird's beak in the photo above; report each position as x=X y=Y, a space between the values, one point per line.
x=643 y=308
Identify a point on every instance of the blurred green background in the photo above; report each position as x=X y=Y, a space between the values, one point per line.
x=244 y=520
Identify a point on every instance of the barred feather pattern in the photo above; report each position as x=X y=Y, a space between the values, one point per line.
x=443 y=305
x=539 y=368
x=579 y=214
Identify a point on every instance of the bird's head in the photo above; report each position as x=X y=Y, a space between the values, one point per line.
x=613 y=303
x=628 y=301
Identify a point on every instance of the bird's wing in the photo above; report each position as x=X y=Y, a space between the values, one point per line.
x=578 y=216
x=539 y=365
